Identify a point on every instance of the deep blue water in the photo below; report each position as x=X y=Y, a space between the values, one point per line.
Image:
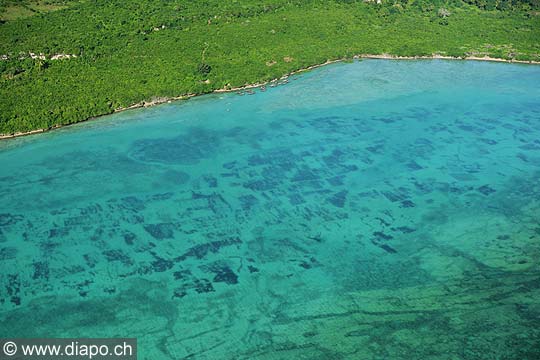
x=373 y=210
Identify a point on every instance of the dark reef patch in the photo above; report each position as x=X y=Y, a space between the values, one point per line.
x=15 y=300
x=161 y=265
x=188 y=148
x=90 y=260
x=160 y=231
x=210 y=180
x=222 y=273
x=488 y=141
x=486 y=190
x=8 y=253
x=41 y=270
x=376 y=149
x=404 y=229
x=380 y=236
x=214 y=202
x=161 y=197
x=129 y=238
x=394 y=196
x=175 y=177
x=260 y=185
x=58 y=232
x=9 y=219
x=132 y=203
x=117 y=255
x=338 y=199
x=388 y=248
x=413 y=165
x=295 y=199
x=13 y=285
x=203 y=286
x=305 y=174
x=200 y=251
x=181 y=274
x=336 y=180
x=407 y=204
x=200 y=286
x=230 y=165
x=248 y=202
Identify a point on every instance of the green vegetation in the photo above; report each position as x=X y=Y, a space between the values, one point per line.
x=130 y=51
x=16 y=9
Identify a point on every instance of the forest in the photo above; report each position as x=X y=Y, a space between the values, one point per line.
x=63 y=62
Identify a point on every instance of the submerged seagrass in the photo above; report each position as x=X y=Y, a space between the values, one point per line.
x=373 y=210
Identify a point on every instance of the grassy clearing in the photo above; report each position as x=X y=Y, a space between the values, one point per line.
x=12 y=10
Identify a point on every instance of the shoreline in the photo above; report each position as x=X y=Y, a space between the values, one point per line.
x=163 y=100
x=444 y=57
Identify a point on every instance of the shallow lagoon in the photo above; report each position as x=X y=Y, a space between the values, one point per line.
x=373 y=210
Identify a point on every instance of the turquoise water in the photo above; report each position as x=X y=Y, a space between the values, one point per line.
x=373 y=210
